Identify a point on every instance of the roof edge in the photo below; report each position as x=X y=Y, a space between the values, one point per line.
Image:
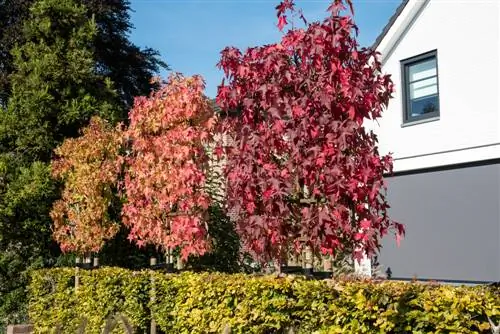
x=389 y=24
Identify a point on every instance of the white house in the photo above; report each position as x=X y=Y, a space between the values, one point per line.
x=443 y=129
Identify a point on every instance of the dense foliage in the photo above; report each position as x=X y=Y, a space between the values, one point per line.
x=103 y=292
x=56 y=61
x=302 y=170
x=55 y=90
x=207 y=303
x=89 y=166
x=25 y=241
x=12 y=16
x=164 y=179
x=224 y=254
x=127 y=65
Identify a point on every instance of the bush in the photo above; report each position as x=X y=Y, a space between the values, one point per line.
x=206 y=303
x=106 y=292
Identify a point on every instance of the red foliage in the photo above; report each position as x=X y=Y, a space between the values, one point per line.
x=164 y=181
x=303 y=170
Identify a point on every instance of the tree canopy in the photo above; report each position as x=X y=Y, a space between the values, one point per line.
x=165 y=175
x=90 y=166
x=302 y=170
x=116 y=57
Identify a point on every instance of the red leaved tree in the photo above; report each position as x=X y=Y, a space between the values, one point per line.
x=302 y=169
x=164 y=180
x=89 y=167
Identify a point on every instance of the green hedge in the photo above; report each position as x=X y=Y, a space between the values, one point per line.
x=107 y=291
x=206 y=303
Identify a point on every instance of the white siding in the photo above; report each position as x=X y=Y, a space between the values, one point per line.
x=466 y=35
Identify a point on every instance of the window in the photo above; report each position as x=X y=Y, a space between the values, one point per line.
x=421 y=90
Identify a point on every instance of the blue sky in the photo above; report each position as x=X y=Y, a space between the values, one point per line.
x=191 y=33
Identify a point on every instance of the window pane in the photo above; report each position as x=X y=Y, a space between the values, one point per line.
x=423 y=88
x=423 y=70
x=424 y=105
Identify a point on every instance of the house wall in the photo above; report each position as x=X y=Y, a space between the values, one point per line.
x=467 y=40
x=451 y=212
x=452 y=220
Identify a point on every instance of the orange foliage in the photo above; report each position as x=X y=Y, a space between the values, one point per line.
x=164 y=181
x=89 y=166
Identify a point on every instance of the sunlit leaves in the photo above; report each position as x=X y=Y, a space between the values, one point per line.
x=164 y=180
x=163 y=156
x=303 y=170
x=89 y=167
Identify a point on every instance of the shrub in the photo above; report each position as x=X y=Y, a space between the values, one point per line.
x=208 y=302
x=102 y=293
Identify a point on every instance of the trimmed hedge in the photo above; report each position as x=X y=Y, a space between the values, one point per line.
x=206 y=303
x=101 y=293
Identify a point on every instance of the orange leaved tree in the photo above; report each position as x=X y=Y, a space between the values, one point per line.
x=89 y=167
x=165 y=180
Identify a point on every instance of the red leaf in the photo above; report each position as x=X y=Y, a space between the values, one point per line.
x=400 y=232
x=282 y=22
x=284 y=173
x=297 y=111
x=399 y=237
x=250 y=207
x=314 y=132
x=283 y=6
x=351 y=112
x=219 y=151
x=320 y=161
x=365 y=224
x=267 y=194
x=325 y=251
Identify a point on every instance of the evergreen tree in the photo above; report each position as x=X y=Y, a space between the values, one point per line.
x=55 y=88
x=55 y=91
x=128 y=66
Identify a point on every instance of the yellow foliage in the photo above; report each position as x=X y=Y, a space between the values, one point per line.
x=208 y=302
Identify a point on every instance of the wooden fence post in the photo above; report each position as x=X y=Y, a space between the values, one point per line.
x=152 y=263
x=180 y=263
x=309 y=260
x=169 y=259
x=77 y=272
x=226 y=329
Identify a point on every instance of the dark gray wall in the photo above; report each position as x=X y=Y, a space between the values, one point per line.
x=452 y=220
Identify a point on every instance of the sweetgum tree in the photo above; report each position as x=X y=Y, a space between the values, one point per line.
x=89 y=167
x=167 y=200
x=302 y=169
